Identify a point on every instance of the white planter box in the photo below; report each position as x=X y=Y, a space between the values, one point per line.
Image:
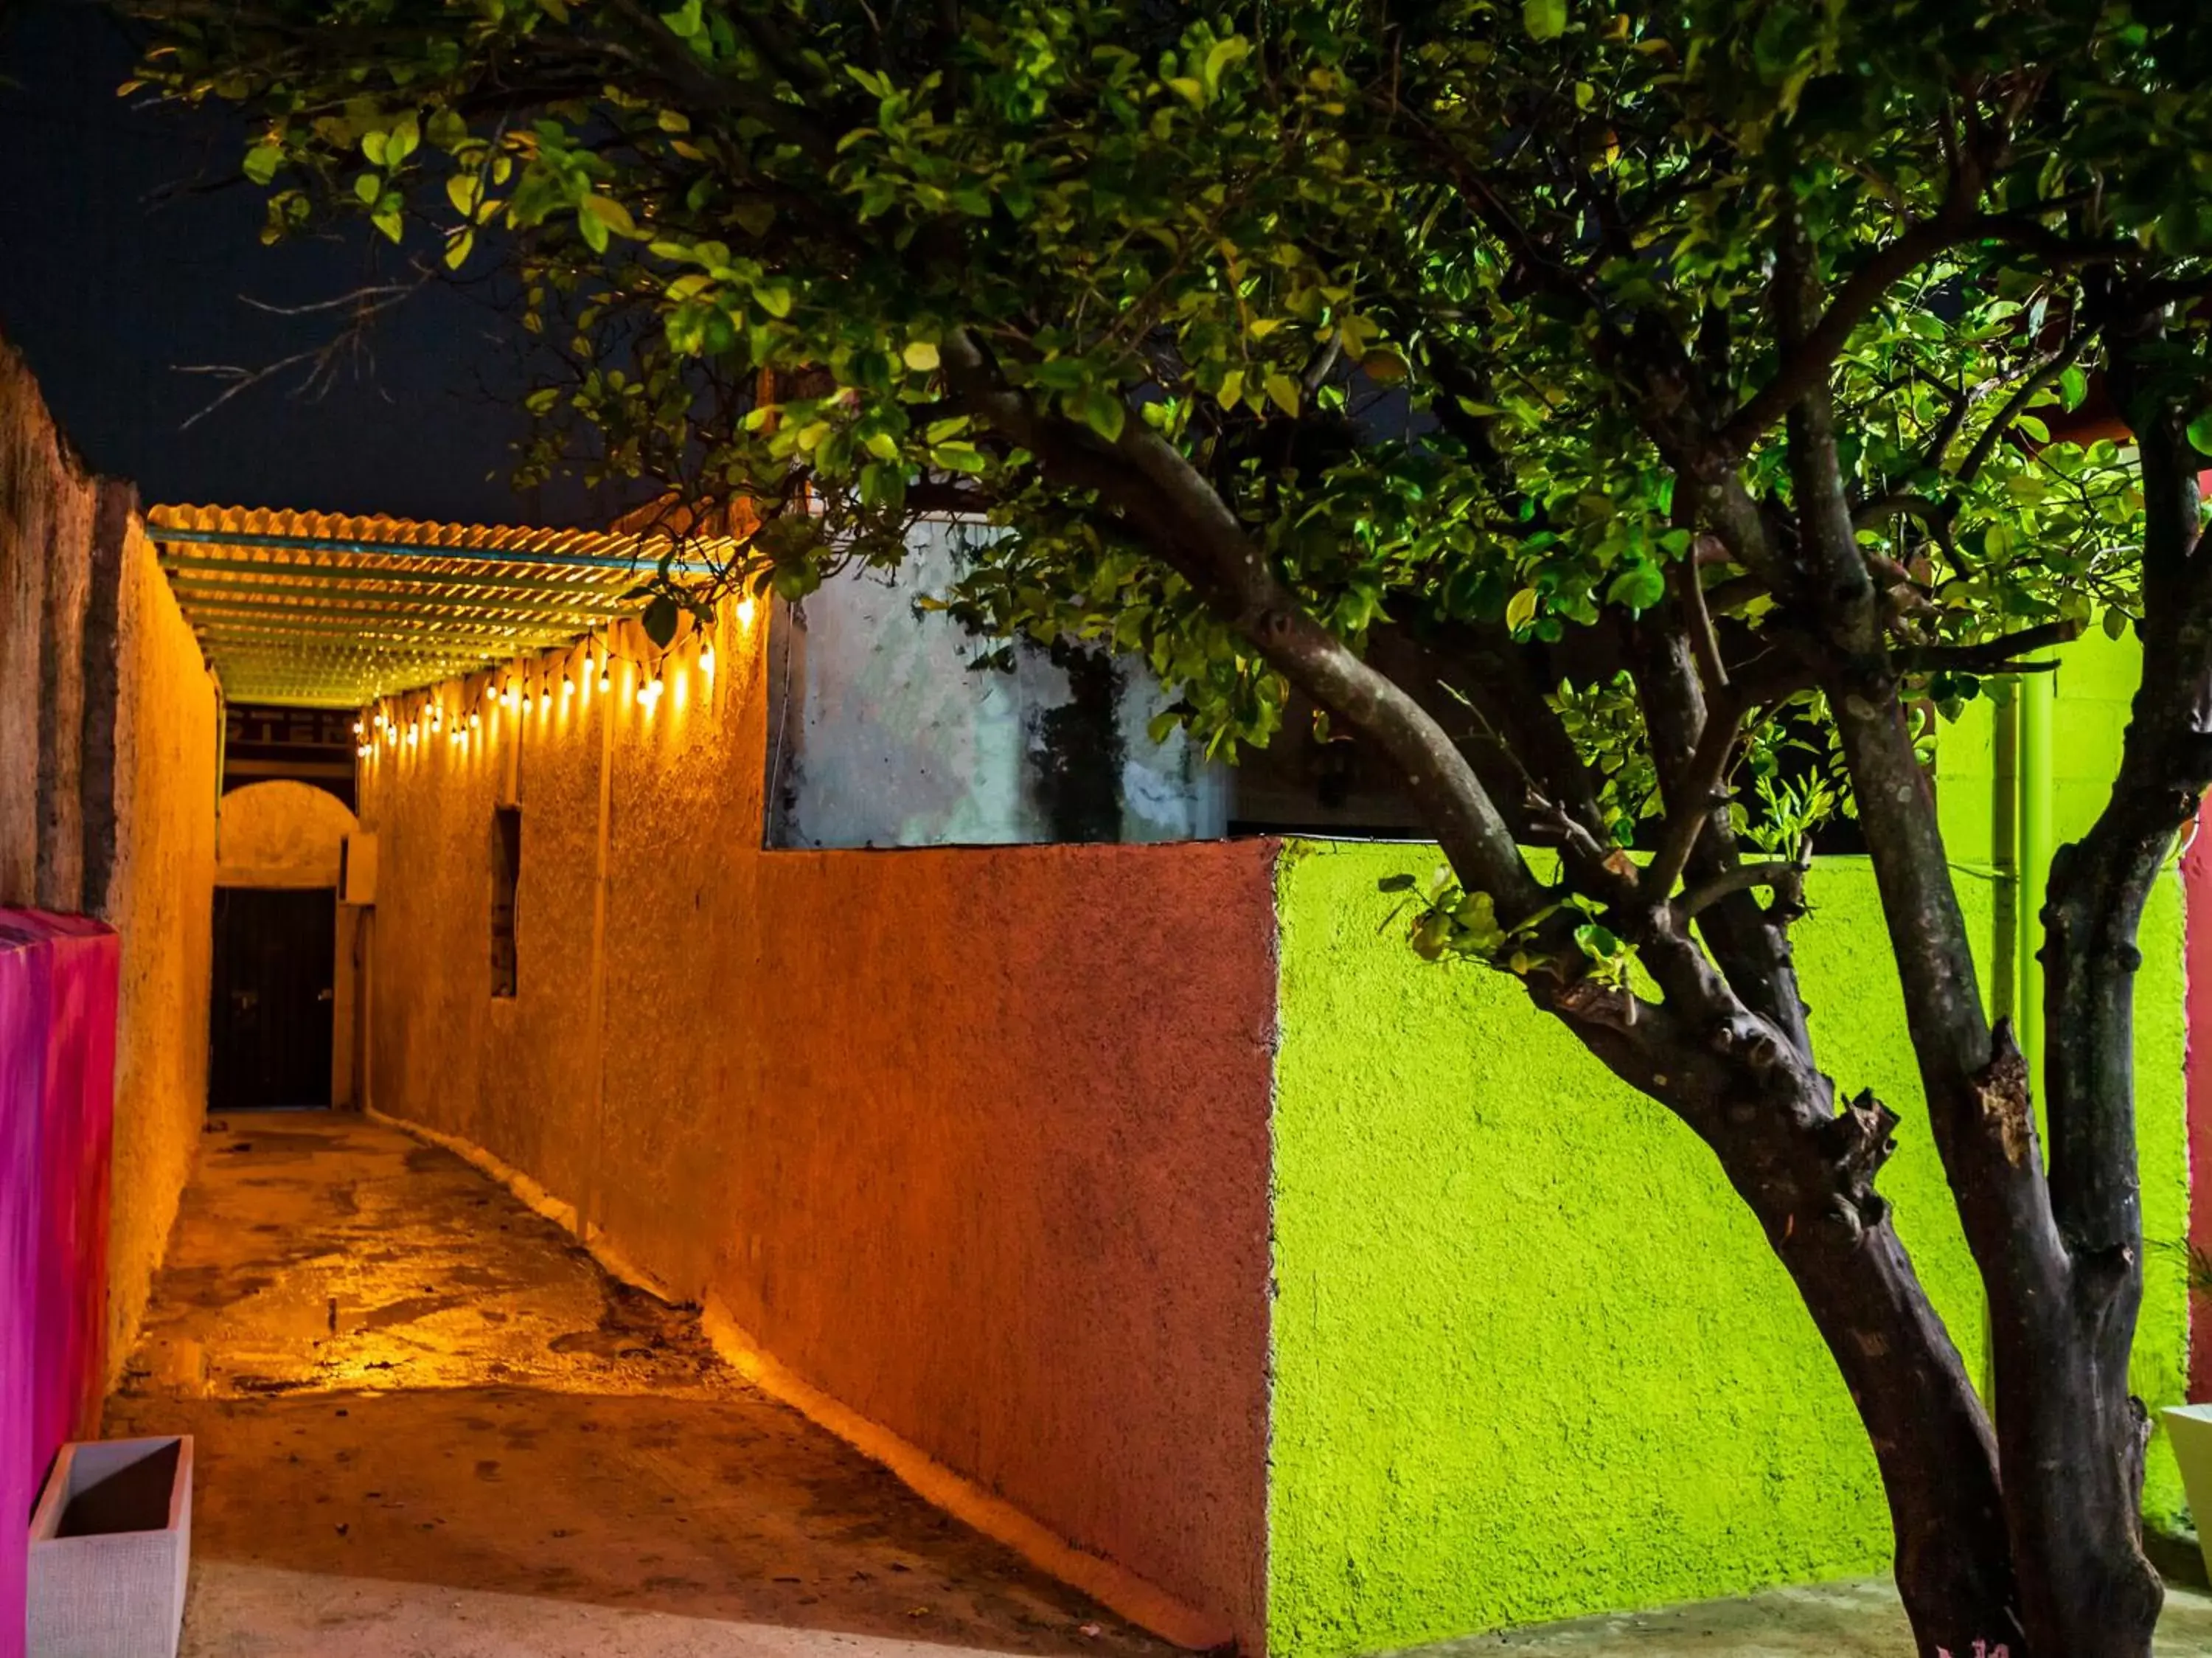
x=111 y=1540
x=2189 y=1430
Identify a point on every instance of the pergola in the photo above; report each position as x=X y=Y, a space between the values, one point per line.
x=323 y=611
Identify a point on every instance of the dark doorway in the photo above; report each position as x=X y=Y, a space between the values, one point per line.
x=275 y=958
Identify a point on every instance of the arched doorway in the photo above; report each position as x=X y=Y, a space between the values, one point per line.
x=281 y=1023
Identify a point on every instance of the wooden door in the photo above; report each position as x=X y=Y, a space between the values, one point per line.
x=275 y=962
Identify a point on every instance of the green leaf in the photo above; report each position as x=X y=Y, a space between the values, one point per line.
x=660 y=619
x=1545 y=20
x=921 y=355
x=1639 y=587
x=2200 y=432
x=464 y=190
x=457 y=248
x=1283 y=392
x=1398 y=883
x=2073 y=388
x=1521 y=609
x=2116 y=622
x=1104 y=412
x=685 y=20
x=1190 y=91
x=262 y=161
x=612 y=216
x=1232 y=388
x=591 y=228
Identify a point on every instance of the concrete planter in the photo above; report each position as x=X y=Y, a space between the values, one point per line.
x=2189 y=1430
x=111 y=1540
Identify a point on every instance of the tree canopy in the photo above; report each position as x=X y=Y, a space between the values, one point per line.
x=1637 y=426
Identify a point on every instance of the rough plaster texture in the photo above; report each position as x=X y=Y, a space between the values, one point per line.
x=891 y=1109
x=160 y=895
x=48 y=501
x=281 y=834
x=1532 y=1359
x=107 y=792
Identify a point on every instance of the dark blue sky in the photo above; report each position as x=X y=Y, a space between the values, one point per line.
x=130 y=249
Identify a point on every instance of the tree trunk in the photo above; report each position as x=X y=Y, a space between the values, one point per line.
x=1813 y=1191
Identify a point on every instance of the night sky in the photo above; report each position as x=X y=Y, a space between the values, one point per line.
x=131 y=247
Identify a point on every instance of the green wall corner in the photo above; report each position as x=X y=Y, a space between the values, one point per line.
x=1532 y=1358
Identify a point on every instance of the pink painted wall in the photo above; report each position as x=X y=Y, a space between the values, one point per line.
x=973 y=1141
x=2197 y=906
x=58 y=1001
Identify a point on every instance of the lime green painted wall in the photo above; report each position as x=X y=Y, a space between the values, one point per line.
x=1532 y=1358
x=2091 y=691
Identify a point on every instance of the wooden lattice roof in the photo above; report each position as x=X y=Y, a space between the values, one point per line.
x=321 y=610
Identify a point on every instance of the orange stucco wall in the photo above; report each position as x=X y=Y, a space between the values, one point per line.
x=974 y=1142
x=159 y=896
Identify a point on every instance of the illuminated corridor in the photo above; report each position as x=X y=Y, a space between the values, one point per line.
x=414 y=1398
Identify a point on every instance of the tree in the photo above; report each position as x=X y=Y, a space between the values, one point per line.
x=1630 y=424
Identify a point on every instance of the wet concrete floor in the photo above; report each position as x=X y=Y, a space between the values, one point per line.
x=427 y=1422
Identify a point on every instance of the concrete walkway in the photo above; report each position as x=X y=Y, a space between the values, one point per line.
x=427 y=1423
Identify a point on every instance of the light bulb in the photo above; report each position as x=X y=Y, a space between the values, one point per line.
x=745 y=612
x=568 y=687
x=356 y=728
x=475 y=720
x=544 y=697
x=707 y=660
x=606 y=676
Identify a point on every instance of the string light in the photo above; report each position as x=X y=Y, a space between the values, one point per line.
x=513 y=698
x=745 y=610
x=568 y=687
x=356 y=728
x=707 y=658
x=606 y=674
x=475 y=720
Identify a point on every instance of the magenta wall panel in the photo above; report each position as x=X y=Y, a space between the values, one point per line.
x=57 y=989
